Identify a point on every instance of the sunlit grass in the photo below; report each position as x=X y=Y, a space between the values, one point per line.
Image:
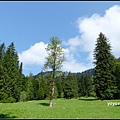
x=73 y=108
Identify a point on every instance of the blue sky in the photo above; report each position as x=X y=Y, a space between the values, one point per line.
x=30 y=25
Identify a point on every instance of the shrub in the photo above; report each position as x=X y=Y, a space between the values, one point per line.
x=8 y=100
x=62 y=94
x=47 y=98
x=23 y=96
x=40 y=94
x=3 y=95
x=93 y=94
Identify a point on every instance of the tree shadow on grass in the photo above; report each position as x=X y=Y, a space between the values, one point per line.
x=88 y=99
x=44 y=104
x=6 y=116
x=118 y=105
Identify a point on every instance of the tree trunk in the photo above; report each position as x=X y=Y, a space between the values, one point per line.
x=52 y=89
x=51 y=102
x=51 y=95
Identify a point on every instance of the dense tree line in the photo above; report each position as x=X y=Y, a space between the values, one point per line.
x=103 y=82
x=15 y=86
x=10 y=73
x=66 y=86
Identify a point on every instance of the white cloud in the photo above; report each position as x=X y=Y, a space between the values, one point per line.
x=109 y=24
x=75 y=66
x=89 y=29
x=72 y=63
x=35 y=55
x=73 y=43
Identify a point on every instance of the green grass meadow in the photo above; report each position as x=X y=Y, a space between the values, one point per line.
x=64 y=108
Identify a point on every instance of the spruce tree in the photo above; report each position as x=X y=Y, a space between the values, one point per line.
x=59 y=86
x=104 y=79
x=81 y=85
x=85 y=86
x=3 y=95
x=117 y=76
x=15 y=74
x=70 y=86
x=8 y=76
x=29 y=87
x=10 y=73
x=41 y=87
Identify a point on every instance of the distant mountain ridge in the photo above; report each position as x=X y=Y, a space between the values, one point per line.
x=89 y=71
x=118 y=59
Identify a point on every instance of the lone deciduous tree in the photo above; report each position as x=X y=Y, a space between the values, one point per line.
x=54 y=60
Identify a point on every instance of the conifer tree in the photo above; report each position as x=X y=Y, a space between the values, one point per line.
x=70 y=86
x=59 y=85
x=3 y=95
x=10 y=73
x=104 y=79
x=117 y=76
x=29 y=87
x=41 y=87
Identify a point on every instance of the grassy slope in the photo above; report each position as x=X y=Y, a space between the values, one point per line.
x=73 y=108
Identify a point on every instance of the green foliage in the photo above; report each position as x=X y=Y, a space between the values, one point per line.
x=29 y=87
x=47 y=98
x=70 y=87
x=59 y=87
x=40 y=94
x=54 y=61
x=23 y=96
x=10 y=82
x=117 y=76
x=85 y=85
x=104 y=79
x=8 y=100
x=3 y=95
x=41 y=87
x=93 y=94
x=55 y=56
